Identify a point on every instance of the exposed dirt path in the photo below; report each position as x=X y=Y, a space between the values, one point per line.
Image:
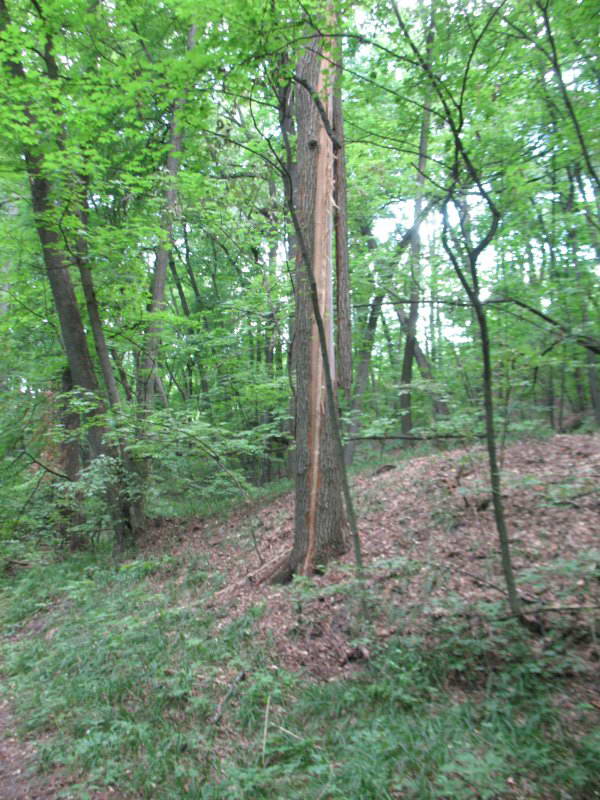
x=16 y=764
x=18 y=777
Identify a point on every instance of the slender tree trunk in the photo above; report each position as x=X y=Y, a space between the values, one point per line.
x=473 y=291
x=362 y=374
x=123 y=379
x=391 y=345
x=89 y=292
x=495 y=480
x=410 y=344
x=405 y=398
x=177 y=280
x=188 y=265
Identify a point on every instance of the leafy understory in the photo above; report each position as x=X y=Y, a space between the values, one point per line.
x=173 y=676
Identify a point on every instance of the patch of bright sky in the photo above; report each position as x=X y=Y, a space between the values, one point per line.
x=397 y=222
x=569 y=76
x=400 y=220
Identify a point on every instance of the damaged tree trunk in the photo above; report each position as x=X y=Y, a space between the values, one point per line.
x=319 y=511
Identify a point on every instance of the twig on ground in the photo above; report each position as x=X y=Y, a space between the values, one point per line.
x=216 y=717
x=265 y=730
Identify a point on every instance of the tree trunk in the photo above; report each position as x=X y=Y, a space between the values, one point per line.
x=147 y=379
x=362 y=374
x=440 y=407
x=410 y=344
x=57 y=268
x=342 y=266
x=80 y=372
x=89 y=292
x=319 y=518
x=592 y=370
x=473 y=292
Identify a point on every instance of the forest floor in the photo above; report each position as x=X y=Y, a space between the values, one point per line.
x=431 y=557
x=427 y=533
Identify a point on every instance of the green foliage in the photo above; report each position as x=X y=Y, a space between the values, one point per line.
x=125 y=670
x=124 y=679
x=125 y=76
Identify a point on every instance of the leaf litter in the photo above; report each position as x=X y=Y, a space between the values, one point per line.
x=430 y=550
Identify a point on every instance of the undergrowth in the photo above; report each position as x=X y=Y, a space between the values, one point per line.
x=142 y=688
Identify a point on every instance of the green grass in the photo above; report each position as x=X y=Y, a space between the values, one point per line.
x=124 y=669
x=402 y=730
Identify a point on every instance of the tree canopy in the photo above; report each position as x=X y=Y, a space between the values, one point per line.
x=149 y=245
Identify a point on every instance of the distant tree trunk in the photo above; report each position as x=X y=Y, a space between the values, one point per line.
x=551 y=398
x=592 y=370
x=362 y=373
x=391 y=345
x=561 y=397
x=188 y=265
x=278 y=444
x=579 y=402
x=147 y=384
x=177 y=280
x=440 y=407
x=405 y=399
x=410 y=344
x=123 y=378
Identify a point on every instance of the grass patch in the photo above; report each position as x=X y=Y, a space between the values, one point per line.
x=123 y=676
x=138 y=686
x=402 y=730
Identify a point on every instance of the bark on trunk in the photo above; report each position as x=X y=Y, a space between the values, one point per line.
x=362 y=374
x=342 y=265
x=319 y=518
x=63 y=293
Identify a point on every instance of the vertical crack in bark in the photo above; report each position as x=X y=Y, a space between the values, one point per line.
x=322 y=227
